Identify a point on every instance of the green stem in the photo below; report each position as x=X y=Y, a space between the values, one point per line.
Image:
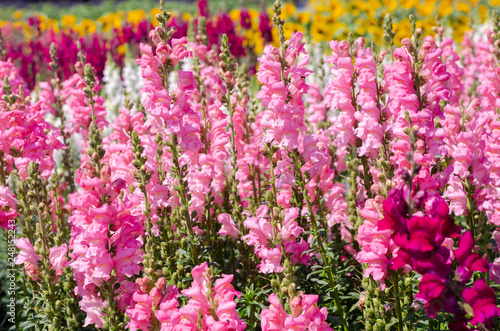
x=183 y=197
x=3 y=178
x=324 y=256
x=42 y=226
x=398 y=301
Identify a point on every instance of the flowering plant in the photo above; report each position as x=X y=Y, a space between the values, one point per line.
x=361 y=192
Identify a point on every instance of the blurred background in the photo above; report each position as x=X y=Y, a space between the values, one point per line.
x=111 y=31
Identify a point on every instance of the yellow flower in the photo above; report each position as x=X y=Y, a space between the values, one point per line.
x=136 y=16
x=463 y=7
x=304 y=17
x=402 y=30
x=87 y=26
x=254 y=16
x=235 y=15
x=361 y=5
x=42 y=22
x=335 y=9
x=427 y=25
x=483 y=13
x=391 y=5
x=109 y=21
x=186 y=17
x=459 y=29
x=409 y=4
x=374 y=28
x=290 y=28
x=254 y=39
x=68 y=21
x=288 y=10
x=361 y=30
x=494 y=3
x=18 y=14
x=427 y=8
x=53 y=25
x=122 y=49
x=374 y=4
x=275 y=34
x=26 y=30
x=153 y=13
x=445 y=8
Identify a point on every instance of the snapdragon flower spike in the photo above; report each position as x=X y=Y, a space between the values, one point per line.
x=369 y=129
x=470 y=166
x=157 y=97
x=79 y=110
x=451 y=59
x=28 y=257
x=8 y=208
x=211 y=305
x=24 y=134
x=421 y=246
x=374 y=241
x=487 y=93
x=95 y=228
x=341 y=94
x=492 y=152
x=105 y=245
x=419 y=238
x=207 y=101
x=281 y=94
x=305 y=315
x=483 y=302
x=261 y=236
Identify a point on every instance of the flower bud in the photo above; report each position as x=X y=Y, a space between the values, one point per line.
x=105 y=173
x=154 y=37
x=163 y=52
x=229 y=79
x=79 y=68
x=155 y=295
x=160 y=283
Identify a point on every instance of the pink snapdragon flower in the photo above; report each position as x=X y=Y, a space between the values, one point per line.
x=8 y=207
x=27 y=253
x=261 y=234
x=374 y=241
x=369 y=130
x=58 y=259
x=284 y=114
x=305 y=315
x=482 y=300
x=228 y=226
x=340 y=92
x=212 y=304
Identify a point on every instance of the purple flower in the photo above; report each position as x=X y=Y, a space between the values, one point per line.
x=482 y=300
x=395 y=208
x=468 y=262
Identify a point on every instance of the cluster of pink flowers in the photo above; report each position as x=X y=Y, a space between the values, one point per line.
x=261 y=232
x=284 y=186
x=305 y=315
x=282 y=91
x=211 y=305
x=369 y=129
x=8 y=204
x=24 y=134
